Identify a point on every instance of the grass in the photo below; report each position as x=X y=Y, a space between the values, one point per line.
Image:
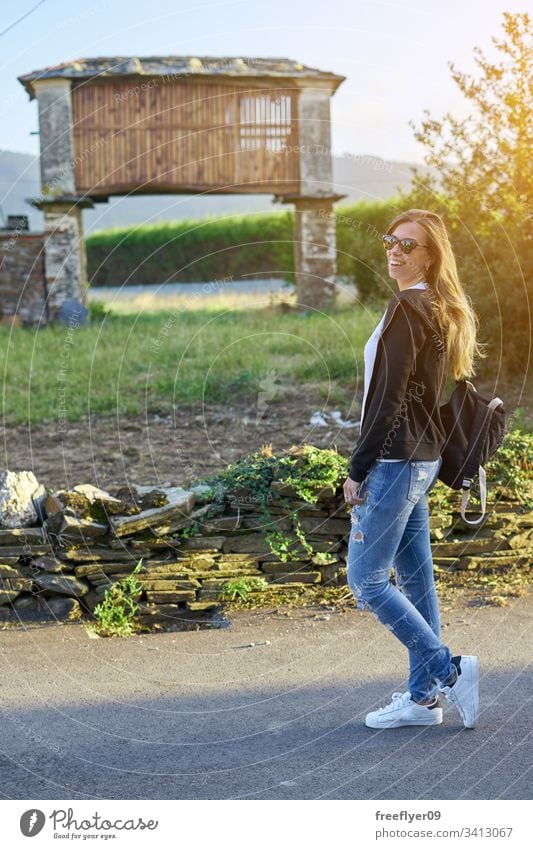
x=133 y=358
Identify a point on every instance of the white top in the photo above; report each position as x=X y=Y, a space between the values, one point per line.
x=370 y=356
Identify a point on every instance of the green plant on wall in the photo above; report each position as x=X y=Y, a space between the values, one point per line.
x=286 y=548
x=253 y=473
x=512 y=465
x=115 y=615
x=301 y=536
x=324 y=558
x=306 y=469
x=310 y=470
x=190 y=531
x=280 y=545
x=242 y=587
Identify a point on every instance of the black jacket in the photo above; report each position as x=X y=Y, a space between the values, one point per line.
x=402 y=408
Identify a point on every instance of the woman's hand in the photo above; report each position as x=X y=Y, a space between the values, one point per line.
x=351 y=488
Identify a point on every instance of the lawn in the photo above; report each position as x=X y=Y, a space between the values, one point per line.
x=145 y=357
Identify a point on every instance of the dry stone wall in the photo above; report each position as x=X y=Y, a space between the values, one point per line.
x=74 y=544
x=22 y=278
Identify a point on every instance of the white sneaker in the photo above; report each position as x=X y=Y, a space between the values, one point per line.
x=464 y=692
x=403 y=711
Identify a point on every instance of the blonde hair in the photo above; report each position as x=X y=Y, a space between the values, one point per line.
x=451 y=305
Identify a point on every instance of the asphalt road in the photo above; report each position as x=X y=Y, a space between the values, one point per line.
x=196 y=716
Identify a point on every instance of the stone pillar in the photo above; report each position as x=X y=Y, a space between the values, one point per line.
x=315 y=252
x=64 y=247
x=65 y=262
x=315 y=237
x=314 y=142
x=56 y=137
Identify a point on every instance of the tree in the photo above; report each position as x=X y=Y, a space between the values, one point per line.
x=483 y=188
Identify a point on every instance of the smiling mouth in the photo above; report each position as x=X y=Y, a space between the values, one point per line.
x=393 y=262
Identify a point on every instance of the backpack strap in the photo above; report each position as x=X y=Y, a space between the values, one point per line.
x=482 y=494
x=482 y=480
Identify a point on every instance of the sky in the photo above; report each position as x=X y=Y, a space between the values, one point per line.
x=394 y=55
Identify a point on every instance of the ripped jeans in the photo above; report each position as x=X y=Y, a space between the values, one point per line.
x=391 y=530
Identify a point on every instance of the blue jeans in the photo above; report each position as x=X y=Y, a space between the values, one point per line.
x=391 y=530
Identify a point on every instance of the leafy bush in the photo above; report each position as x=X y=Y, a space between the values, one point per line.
x=305 y=468
x=253 y=473
x=512 y=465
x=193 y=250
x=309 y=470
x=360 y=254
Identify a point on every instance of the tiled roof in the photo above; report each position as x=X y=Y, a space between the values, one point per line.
x=221 y=66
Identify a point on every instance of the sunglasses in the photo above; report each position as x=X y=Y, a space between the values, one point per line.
x=407 y=246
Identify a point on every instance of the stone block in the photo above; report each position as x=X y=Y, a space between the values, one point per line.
x=169 y=596
x=21 y=495
x=28 y=550
x=38 y=609
x=69 y=528
x=246 y=543
x=21 y=536
x=200 y=544
x=169 y=584
x=204 y=606
x=61 y=584
x=48 y=563
x=91 y=554
x=171 y=615
x=295 y=578
x=474 y=546
x=169 y=517
x=324 y=526
x=277 y=567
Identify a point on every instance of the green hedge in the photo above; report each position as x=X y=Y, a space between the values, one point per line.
x=197 y=250
x=236 y=246
x=361 y=258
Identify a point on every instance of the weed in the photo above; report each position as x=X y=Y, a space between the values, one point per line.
x=242 y=587
x=115 y=615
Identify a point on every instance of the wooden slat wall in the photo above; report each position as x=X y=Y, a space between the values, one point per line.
x=152 y=134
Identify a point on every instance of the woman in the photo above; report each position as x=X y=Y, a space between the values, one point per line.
x=428 y=330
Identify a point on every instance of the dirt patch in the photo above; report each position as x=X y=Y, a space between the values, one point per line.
x=168 y=450
x=195 y=441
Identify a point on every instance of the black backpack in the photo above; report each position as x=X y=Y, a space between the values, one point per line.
x=475 y=428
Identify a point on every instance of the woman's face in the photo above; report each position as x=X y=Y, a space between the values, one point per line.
x=409 y=269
